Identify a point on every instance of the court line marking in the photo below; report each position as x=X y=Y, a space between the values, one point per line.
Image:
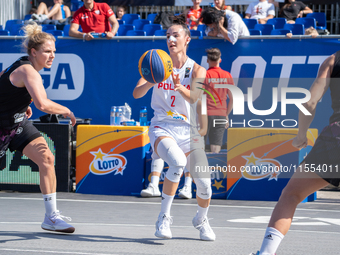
x=173 y=226
x=63 y=252
x=174 y=204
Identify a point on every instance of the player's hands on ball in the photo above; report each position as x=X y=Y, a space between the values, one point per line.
x=300 y=142
x=177 y=83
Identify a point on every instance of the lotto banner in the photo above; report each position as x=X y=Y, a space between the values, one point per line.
x=261 y=162
x=111 y=159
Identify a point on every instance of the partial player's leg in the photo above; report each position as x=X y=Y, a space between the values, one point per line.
x=170 y=152
x=186 y=192
x=301 y=185
x=156 y=169
x=38 y=151
x=198 y=165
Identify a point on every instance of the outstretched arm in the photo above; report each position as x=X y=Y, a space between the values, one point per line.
x=317 y=90
x=31 y=79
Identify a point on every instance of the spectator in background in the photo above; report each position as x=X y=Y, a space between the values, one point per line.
x=218 y=112
x=120 y=12
x=99 y=19
x=193 y=15
x=309 y=31
x=260 y=10
x=226 y=24
x=58 y=11
x=291 y=10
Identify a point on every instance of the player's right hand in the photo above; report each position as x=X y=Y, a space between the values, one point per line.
x=300 y=142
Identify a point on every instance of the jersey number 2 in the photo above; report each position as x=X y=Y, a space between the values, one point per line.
x=173 y=101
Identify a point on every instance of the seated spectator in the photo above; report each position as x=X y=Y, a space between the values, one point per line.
x=225 y=24
x=309 y=31
x=100 y=19
x=121 y=10
x=58 y=11
x=228 y=7
x=260 y=10
x=220 y=5
x=193 y=15
x=291 y=10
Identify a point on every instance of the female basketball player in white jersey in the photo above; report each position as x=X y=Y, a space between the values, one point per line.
x=173 y=130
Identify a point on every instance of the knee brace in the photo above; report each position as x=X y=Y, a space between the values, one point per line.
x=168 y=150
x=203 y=187
x=199 y=169
x=157 y=165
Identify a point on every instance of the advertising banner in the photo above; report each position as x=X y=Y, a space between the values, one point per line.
x=111 y=159
x=261 y=162
x=91 y=76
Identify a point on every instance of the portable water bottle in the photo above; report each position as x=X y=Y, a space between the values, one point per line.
x=118 y=116
x=143 y=116
x=113 y=115
x=98 y=35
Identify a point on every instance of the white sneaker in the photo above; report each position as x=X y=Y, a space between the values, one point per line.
x=163 y=226
x=39 y=17
x=56 y=223
x=185 y=192
x=150 y=191
x=206 y=233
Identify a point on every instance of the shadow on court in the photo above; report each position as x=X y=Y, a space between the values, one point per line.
x=78 y=238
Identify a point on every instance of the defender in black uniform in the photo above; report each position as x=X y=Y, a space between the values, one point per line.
x=320 y=167
x=20 y=84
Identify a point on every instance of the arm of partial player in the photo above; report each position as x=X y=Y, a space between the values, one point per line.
x=142 y=88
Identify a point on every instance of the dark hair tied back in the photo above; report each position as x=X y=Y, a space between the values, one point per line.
x=178 y=19
x=181 y=21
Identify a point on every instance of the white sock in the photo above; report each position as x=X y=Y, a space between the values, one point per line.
x=202 y=212
x=271 y=241
x=188 y=181
x=166 y=203
x=50 y=201
x=155 y=180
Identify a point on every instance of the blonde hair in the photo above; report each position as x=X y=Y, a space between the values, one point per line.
x=35 y=37
x=311 y=30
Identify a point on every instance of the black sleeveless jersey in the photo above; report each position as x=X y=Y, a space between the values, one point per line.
x=14 y=101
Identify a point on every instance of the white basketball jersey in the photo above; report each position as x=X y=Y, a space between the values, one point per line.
x=169 y=105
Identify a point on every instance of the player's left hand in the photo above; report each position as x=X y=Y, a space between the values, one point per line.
x=177 y=82
x=29 y=112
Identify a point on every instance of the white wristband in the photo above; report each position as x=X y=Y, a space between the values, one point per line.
x=84 y=36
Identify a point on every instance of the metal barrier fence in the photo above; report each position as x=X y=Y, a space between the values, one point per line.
x=332 y=12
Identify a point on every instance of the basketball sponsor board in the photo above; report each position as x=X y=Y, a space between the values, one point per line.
x=261 y=162
x=110 y=160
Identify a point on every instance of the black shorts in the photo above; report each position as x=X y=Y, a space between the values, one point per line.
x=26 y=133
x=215 y=133
x=324 y=158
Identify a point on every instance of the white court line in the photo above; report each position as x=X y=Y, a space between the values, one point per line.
x=172 y=226
x=63 y=252
x=174 y=204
